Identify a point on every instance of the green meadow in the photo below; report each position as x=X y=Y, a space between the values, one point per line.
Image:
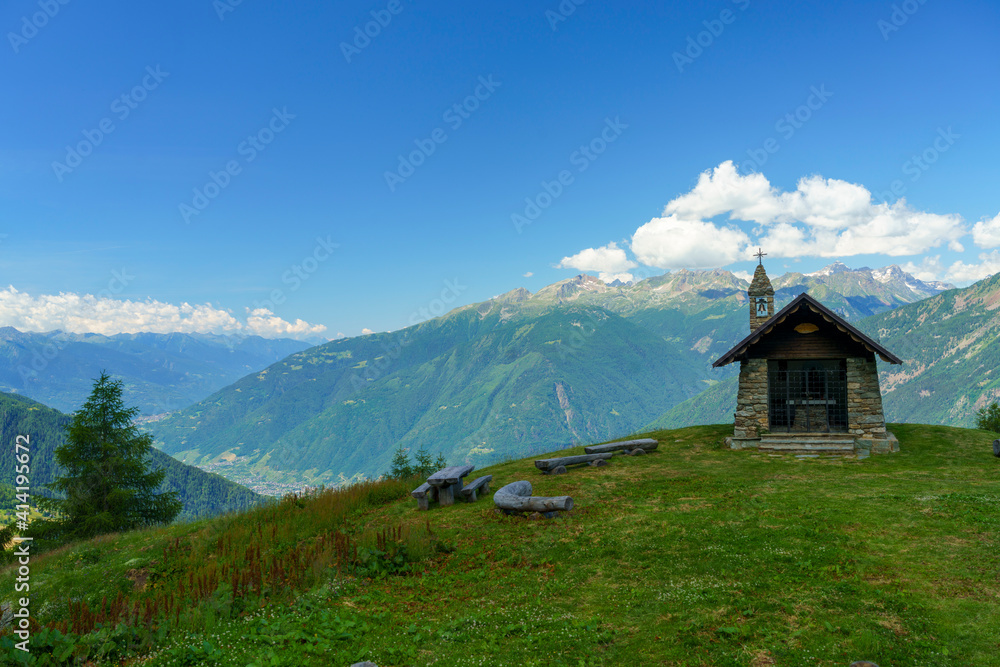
x=691 y=555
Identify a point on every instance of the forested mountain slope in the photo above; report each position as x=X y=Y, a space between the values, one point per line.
x=202 y=493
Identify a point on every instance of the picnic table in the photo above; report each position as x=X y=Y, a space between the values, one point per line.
x=448 y=482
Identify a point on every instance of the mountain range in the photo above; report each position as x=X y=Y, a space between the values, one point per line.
x=160 y=372
x=577 y=361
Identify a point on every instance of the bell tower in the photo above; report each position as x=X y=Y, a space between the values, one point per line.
x=761 y=294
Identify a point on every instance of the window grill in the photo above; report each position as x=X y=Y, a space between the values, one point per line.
x=809 y=400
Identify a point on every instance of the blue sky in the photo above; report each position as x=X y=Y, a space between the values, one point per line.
x=785 y=126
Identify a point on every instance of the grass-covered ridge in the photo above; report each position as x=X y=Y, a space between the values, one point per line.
x=693 y=555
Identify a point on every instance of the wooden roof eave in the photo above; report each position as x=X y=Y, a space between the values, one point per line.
x=740 y=348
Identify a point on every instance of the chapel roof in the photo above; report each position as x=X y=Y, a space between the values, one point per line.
x=804 y=301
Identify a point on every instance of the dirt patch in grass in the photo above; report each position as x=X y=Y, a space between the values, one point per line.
x=138 y=578
x=761 y=659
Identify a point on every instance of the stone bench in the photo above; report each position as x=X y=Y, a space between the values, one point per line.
x=516 y=497
x=424 y=494
x=481 y=484
x=557 y=466
x=449 y=482
x=633 y=447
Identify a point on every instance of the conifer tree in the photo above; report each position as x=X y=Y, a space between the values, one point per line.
x=400 y=464
x=425 y=465
x=106 y=485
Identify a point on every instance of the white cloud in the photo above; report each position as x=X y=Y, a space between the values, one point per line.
x=93 y=314
x=366 y=331
x=821 y=217
x=528 y=274
x=930 y=268
x=610 y=262
x=262 y=322
x=673 y=243
x=959 y=273
x=744 y=275
x=963 y=274
x=986 y=233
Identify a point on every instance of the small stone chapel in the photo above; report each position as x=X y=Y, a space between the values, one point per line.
x=808 y=379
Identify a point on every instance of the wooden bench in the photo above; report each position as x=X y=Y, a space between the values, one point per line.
x=516 y=497
x=633 y=447
x=424 y=494
x=557 y=466
x=449 y=482
x=480 y=484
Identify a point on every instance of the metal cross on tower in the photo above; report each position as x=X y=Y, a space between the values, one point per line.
x=760 y=256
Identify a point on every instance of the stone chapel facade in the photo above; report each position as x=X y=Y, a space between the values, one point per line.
x=808 y=379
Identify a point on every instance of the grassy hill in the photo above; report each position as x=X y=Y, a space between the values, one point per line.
x=692 y=555
x=202 y=493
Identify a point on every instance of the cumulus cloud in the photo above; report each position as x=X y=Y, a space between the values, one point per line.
x=610 y=262
x=962 y=274
x=986 y=233
x=959 y=273
x=262 y=322
x=821 y=217
x=929 y=268
x=673 y=243
x=86 y=313
x=366 y=331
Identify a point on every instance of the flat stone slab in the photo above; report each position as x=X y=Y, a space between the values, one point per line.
x=450 y=475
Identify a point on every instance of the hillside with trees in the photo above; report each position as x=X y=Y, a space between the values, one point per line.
x=201 y=493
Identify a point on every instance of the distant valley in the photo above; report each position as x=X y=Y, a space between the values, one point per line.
x=161 y=372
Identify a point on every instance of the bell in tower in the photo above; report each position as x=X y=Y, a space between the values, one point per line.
x=761 y=295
